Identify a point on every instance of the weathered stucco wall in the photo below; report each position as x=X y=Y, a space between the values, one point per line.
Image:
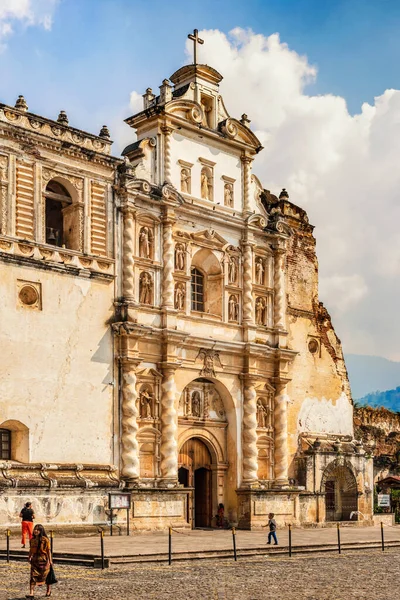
x=57 y=367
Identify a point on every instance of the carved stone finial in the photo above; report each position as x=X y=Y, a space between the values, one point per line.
x=245 y=120
x=62 y=118
x=283 y=195
x=165 y=92
x=104 y=132
x=148 y=98
x=21 y=104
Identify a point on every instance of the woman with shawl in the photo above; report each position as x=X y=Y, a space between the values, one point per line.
x=40 y=559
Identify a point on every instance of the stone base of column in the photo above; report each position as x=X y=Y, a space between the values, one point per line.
x=168 y=483
x=254 y=505
x=282 y=484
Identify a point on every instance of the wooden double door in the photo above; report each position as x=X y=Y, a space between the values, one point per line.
x=195 y=472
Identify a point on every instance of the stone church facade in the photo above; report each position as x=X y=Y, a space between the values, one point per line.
x=161 y=331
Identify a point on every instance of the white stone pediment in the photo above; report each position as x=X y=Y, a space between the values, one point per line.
x=209 y=237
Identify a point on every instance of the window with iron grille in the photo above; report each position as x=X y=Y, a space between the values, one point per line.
x=197 y=290
x=5 y=444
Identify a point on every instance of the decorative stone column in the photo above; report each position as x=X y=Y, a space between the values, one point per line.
x=279 y=286
x=129 y=444
x=167 y=152
x=128 y=251
x=250 y=451
x=280 y=436
x=247 y=284
x=246 y=170
x=169 y=427
x=168 y=263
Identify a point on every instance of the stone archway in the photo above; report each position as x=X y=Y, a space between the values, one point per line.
x=339 y=486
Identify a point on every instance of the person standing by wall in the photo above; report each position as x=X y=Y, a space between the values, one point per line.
x=27 y=515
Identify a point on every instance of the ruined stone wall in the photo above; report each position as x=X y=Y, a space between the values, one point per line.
x=379 y=429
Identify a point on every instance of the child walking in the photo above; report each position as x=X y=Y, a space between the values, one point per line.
x=272 y=529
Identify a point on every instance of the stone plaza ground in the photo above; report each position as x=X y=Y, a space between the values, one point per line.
x=365 y=574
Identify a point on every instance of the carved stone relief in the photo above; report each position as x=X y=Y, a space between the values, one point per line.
x=228 y=195
x=180 y=257
x=146 y=242
x=180 y=293
x=186 y=183
x=260 y=271
x=261 y=311
x=208 y=357
x=233 y=308
x=200 y=400
x=206 y=183
x=145 y=288
x=232 y=269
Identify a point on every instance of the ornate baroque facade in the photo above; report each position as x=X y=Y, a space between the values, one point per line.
x=161 y=327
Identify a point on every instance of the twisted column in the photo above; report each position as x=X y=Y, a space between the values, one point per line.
x=128 y=251
x=167 y=153
x=279 y=286
x=250 y=451
x=168 y=264
x=247 y=283
x=130 y=413
x=169 y=427
x=246 y=162
x=280 y=436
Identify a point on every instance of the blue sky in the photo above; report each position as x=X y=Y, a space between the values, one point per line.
x=99 y=50
x=323 y=97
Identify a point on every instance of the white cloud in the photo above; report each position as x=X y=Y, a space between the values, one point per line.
x=25 y=12
x=342 y=168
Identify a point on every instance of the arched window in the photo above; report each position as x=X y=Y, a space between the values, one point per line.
x=5 y=444
x=57 y=200
x=197 y=290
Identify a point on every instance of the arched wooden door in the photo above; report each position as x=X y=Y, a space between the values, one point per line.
x=195 y=471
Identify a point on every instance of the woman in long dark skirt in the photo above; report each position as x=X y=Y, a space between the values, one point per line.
x=40 y=559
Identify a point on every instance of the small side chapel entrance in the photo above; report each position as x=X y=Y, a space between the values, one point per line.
x=195 y=471
x=340 y=489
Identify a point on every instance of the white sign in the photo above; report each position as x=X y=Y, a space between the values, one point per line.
x=119 y=500
x=384 y=500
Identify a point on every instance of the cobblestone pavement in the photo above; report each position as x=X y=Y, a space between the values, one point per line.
x=360 y=575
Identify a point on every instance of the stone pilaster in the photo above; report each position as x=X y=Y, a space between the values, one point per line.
x=169 y=427
x=167 y=153
x=129 y=444
x=280 y=436
x=248 y=318
x=168 y=263
x=128 y=251
x=246 y=171
x=250 y=451
x=279 y=287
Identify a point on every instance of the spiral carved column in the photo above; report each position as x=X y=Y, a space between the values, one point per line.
x=169 y=427
x=279 y=285
x=247 y=283
x=246 y=161
x=167 y=153
x=250 y=451
x=168 y=264
x=280 y=436
x=129 y=444
x=128 y=241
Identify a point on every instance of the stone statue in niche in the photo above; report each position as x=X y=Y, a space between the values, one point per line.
x=207 y=109
x=206 y=184
x=179 y=296
x=185 y=181
x=145 y=288
x=233 y=308
x=260 y=271
x=232 y=269
x=261 y=414
x=196 y=404
x=145 y=242
x=180 y=255
x=228 y=195
x=145 y=404
x=260 y=311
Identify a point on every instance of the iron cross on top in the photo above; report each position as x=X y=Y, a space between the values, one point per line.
x=196 y=40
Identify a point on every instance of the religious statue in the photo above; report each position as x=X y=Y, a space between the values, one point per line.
x=260 y=311
x=188 y=404
x=228 y=195
x=196 y=404
x=233 y=308
x=185 y=181
x=232 y=269
x=179 y=296
x=259 y=271
x=145 y=403
x=145 y=288
x=206 y=184
x=207 y=109
x=145 y=242
x=261 y=414
x=208 y=356
x=180 y=256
